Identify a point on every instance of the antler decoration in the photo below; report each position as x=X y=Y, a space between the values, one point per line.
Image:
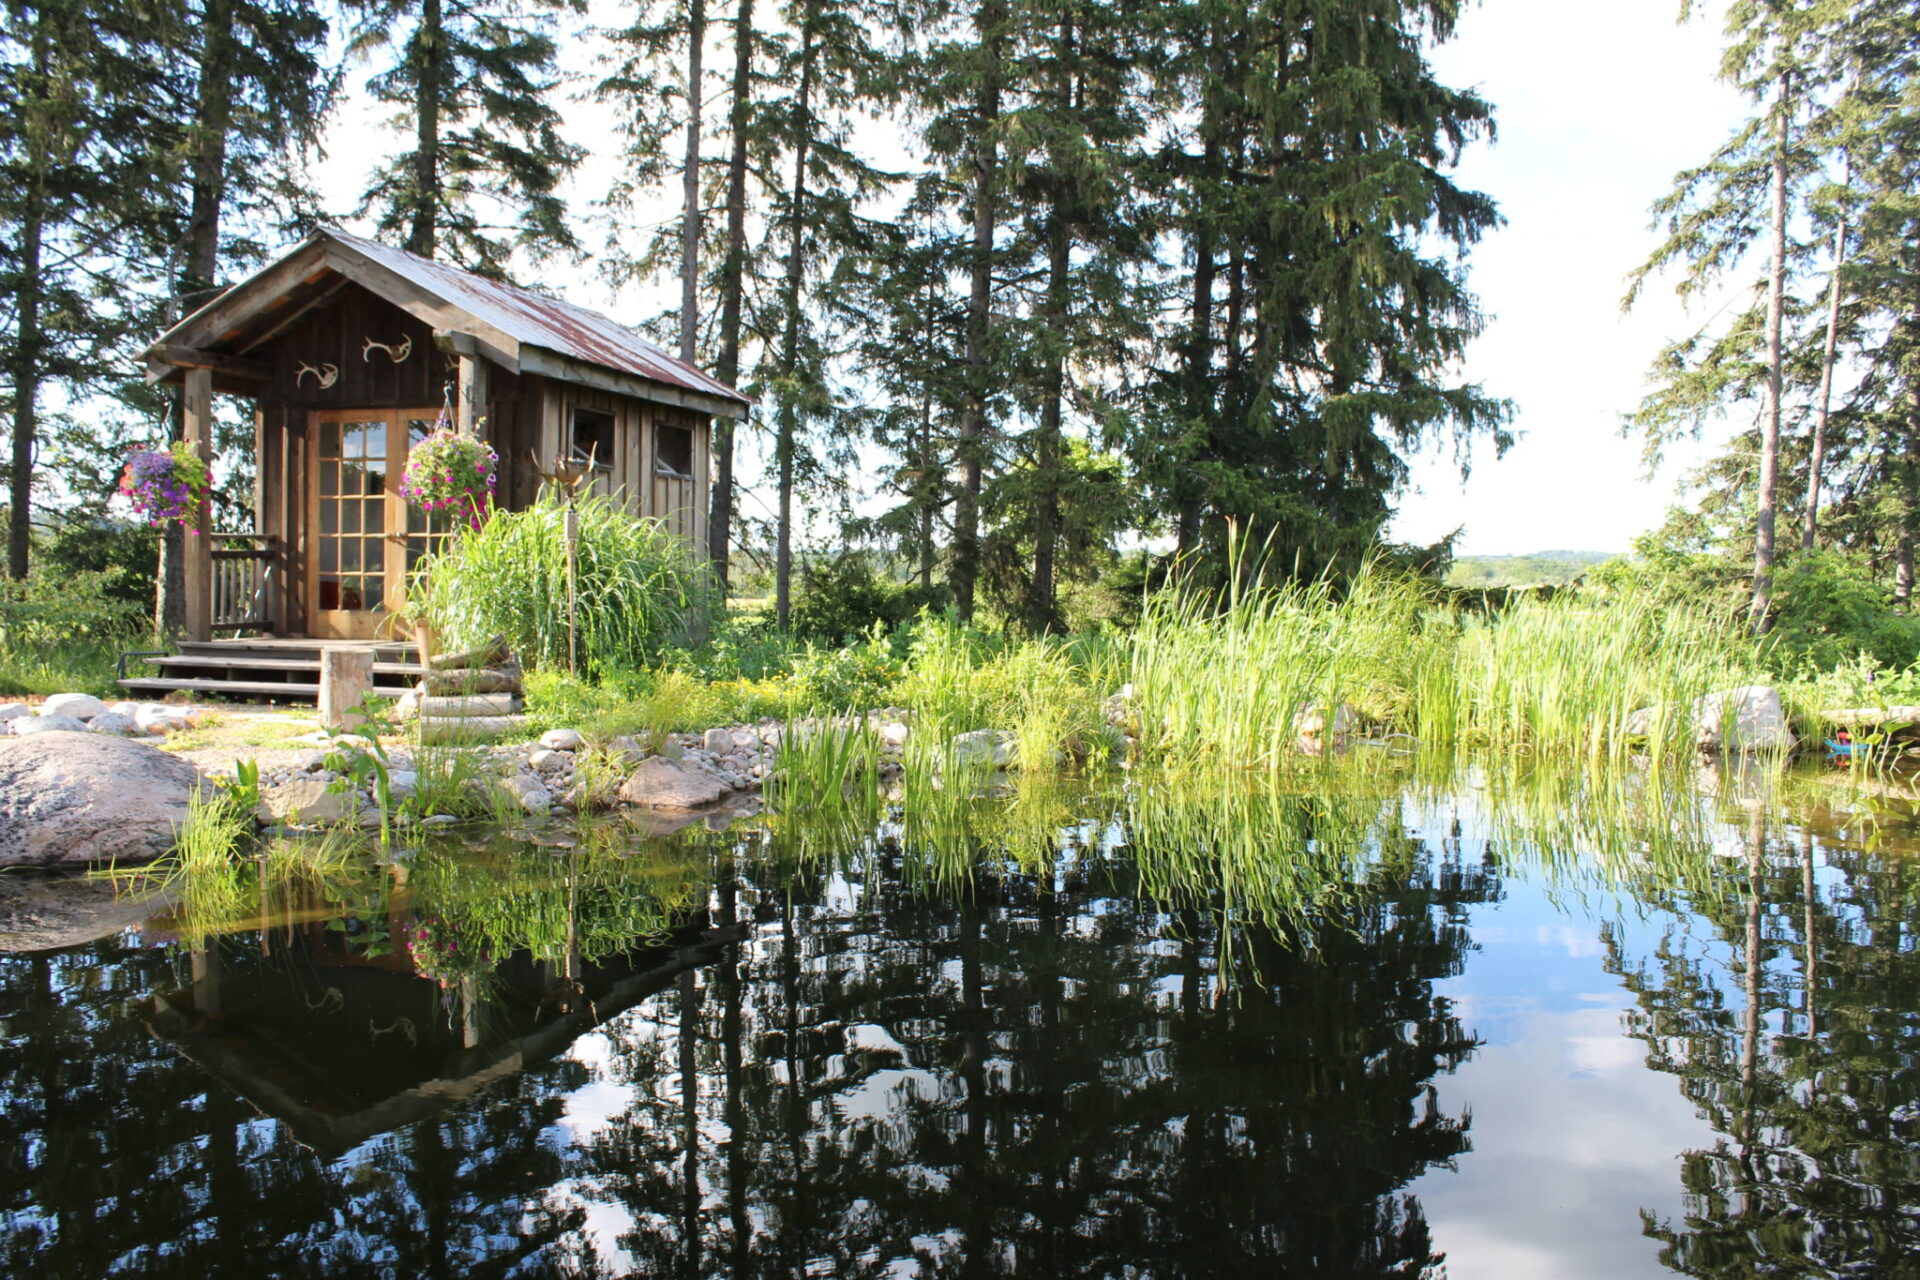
x=570 y=474
x=325 y=375
x=396 y=351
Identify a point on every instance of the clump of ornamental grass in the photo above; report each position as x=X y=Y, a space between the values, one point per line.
x=638 y=588
x=828 y=765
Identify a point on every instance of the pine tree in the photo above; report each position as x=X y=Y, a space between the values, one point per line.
x=962 y=85
x=1876 y=124
x=473 y=81
x=1314 y=177
x=85 y=162
x=833 y=67
x=259 y=97
x=1750 y=189
x=733 y=272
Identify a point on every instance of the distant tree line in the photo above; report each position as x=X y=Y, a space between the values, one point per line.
x=1045 y=276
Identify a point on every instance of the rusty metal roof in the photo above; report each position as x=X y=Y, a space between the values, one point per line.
x=540 y=321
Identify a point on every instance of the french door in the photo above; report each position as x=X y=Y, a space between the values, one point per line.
x=365 y=536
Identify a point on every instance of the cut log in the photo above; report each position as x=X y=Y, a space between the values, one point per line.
x=505 y=679
x=494 y=653
x=470 y=728
x=479 y=704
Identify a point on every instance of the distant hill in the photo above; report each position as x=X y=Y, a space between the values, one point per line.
x=1534 y=569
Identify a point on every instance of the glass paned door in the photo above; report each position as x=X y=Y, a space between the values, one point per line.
x=365 y=536
x=426 y=530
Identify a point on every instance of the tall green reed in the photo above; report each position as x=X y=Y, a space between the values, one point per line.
x=638 y=589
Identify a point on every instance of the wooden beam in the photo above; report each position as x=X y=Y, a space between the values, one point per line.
x=252 y=297
x=198 y=561
x=472 y=405
x=280 y=326
x=566 y=369
x=181 y=357
x=436 y=312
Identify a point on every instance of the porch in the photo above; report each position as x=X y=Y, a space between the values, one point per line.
x=261 y=668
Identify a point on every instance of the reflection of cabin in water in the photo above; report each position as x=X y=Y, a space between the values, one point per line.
x=350 y=352
x=341 y=1047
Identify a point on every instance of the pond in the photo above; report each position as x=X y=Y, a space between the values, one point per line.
x=1357 y=1022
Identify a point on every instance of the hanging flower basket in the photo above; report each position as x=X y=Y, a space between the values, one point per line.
x=166 y=485
x=451 y=472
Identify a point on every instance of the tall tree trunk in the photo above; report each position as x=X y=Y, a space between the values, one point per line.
x=1046 y=503
x=27 y=335
x=430 y=42
x=928 y=491
x=732 y=286
x=690 y=183
x=1199 y=345
x=1817 y=457
x=1046 y=508
x=790 y=337
x=1762 y=605
x=1908 y=469
x=973 y=417
x=200 y=280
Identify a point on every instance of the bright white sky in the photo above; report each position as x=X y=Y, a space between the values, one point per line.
x=1597 y=109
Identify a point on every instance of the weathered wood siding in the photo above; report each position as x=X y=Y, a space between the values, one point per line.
x=633 y=477
x=527 y=418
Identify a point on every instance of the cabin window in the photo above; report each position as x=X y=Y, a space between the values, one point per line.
x=673 y=452
x=593 y=437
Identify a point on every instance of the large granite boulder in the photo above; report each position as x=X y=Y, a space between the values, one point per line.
x=83 y=799
x=660 y=783
x=1743 y=720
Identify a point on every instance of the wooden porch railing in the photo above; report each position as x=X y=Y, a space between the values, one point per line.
x=244 y=580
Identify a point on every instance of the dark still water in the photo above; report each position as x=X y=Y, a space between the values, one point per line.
x=1351 y=1028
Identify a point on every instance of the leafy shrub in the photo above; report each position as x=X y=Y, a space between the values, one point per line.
x=1829 y=609
x=49 y=609
x=845 y=596
x=640 y=589
x=845 y=677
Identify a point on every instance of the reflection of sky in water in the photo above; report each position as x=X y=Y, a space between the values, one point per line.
x=1572 y=1135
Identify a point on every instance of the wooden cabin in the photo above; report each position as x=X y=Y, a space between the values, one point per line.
x=350 y=351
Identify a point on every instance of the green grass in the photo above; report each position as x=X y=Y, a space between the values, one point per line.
x=83 y=665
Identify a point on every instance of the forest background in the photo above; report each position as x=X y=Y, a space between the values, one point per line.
x=1036 y=297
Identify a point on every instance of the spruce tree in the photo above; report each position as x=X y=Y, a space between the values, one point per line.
x=86 y=158
x=1744 y=197
x=1315 y=177
x=473 y=81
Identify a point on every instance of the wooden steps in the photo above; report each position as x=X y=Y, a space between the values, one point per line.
x=269 y=689
x=273 y=670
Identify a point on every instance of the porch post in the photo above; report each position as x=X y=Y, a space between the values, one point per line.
x=198 y=560
x=472 y=404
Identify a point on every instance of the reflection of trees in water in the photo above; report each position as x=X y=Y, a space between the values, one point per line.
x=1789 y=1009
x=122 y=1158
x=1015 y=1080
x=1042 y=1071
